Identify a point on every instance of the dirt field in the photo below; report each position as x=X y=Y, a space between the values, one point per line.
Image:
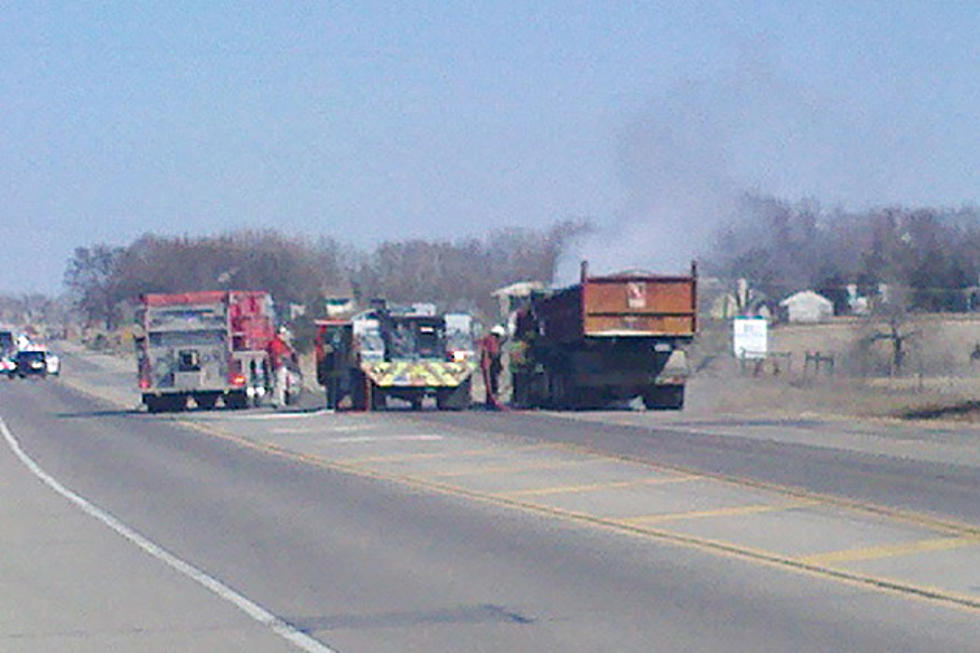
x=938 y=376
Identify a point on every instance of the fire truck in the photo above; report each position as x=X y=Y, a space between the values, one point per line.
x=408 y=353
x=206 y=346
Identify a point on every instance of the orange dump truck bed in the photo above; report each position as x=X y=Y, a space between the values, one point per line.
x=621 y=305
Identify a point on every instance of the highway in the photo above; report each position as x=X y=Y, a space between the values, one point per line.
x=619 y=531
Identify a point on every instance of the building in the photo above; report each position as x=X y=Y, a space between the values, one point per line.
x=806 y=306
x=513 y=296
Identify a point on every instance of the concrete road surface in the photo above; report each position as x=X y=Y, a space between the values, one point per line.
x=466 y=532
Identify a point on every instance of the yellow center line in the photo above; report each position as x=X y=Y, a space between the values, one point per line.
x=590 y=487
x=506 y=469
x=890 y=550
x=395 y=458
x=718 y=547
x=717 y=512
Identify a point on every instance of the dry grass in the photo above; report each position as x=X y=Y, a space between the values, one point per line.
x=940 y=379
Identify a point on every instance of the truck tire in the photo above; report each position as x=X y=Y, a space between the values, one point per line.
x=206 y=401
x=358 y=395
x=154 y=404
x=164 y=403
x=520 y=383
x=236 y=400
x=176 y=403
x=559 y=396
x=664 y=397
x=332 y=392
x=457 y=398
x=379 y=400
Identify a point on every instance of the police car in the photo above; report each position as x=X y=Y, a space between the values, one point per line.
x=31 y=362
x=53 y=362
x=7 y=365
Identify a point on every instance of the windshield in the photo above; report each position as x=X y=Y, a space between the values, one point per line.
x=186 y=338
x=403 y=341
x=457 y=340
x=430 y=342
x=189 y=316
x=415 y=338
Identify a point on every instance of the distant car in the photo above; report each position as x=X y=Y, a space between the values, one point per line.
x=31 y=362
x=7 y=365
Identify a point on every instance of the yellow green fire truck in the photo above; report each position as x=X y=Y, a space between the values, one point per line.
x=392 y=353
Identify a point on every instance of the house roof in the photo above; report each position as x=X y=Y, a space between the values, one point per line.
x=806 y=296
x=519 y=289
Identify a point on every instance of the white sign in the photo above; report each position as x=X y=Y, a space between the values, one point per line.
x=750 y=337
x=636 y=294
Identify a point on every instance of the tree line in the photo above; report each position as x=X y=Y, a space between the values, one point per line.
x=926 y=259
x=456 y=275
x=33 y=308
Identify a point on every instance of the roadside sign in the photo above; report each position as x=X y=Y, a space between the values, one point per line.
x=750 y=337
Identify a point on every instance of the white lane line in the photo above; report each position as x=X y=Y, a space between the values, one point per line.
x=249 y=607
x=357 y=439
x=261 y=416
x=321 y=429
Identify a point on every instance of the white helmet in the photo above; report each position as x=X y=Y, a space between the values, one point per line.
x=498 y=330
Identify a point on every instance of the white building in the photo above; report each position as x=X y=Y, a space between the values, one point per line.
x=806 y=306
x=514 y=295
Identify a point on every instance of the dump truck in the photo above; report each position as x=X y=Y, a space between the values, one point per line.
x=605 y=339
x=206 y=346
x=396 y=353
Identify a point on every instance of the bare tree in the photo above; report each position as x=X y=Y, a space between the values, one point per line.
x=782 y=248
x=91 y=280
x=461 y=275
x=456 y=275
x=897 y=330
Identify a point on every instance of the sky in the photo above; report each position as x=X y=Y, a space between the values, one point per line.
x=368 y=121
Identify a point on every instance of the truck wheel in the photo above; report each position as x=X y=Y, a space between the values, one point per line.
x=558 y=391
x=519 y=382
x=332 y=393
x=154 y=404
x=664 y=397
x=176 y=403
x=537 y=391
x=206 y=401
x=236 y=400
x=379 y=400
x=358 y=398
x=457 y=398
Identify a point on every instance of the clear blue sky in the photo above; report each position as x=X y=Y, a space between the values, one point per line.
x=365 y=121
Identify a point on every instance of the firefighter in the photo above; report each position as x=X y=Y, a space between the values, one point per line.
x=331 y=360
x=490 y=363
x=279 y=352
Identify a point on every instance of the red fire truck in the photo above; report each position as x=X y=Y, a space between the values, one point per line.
x=206 y=346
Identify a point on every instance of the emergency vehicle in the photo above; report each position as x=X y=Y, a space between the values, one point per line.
x=206 y=346
x=408 y=354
